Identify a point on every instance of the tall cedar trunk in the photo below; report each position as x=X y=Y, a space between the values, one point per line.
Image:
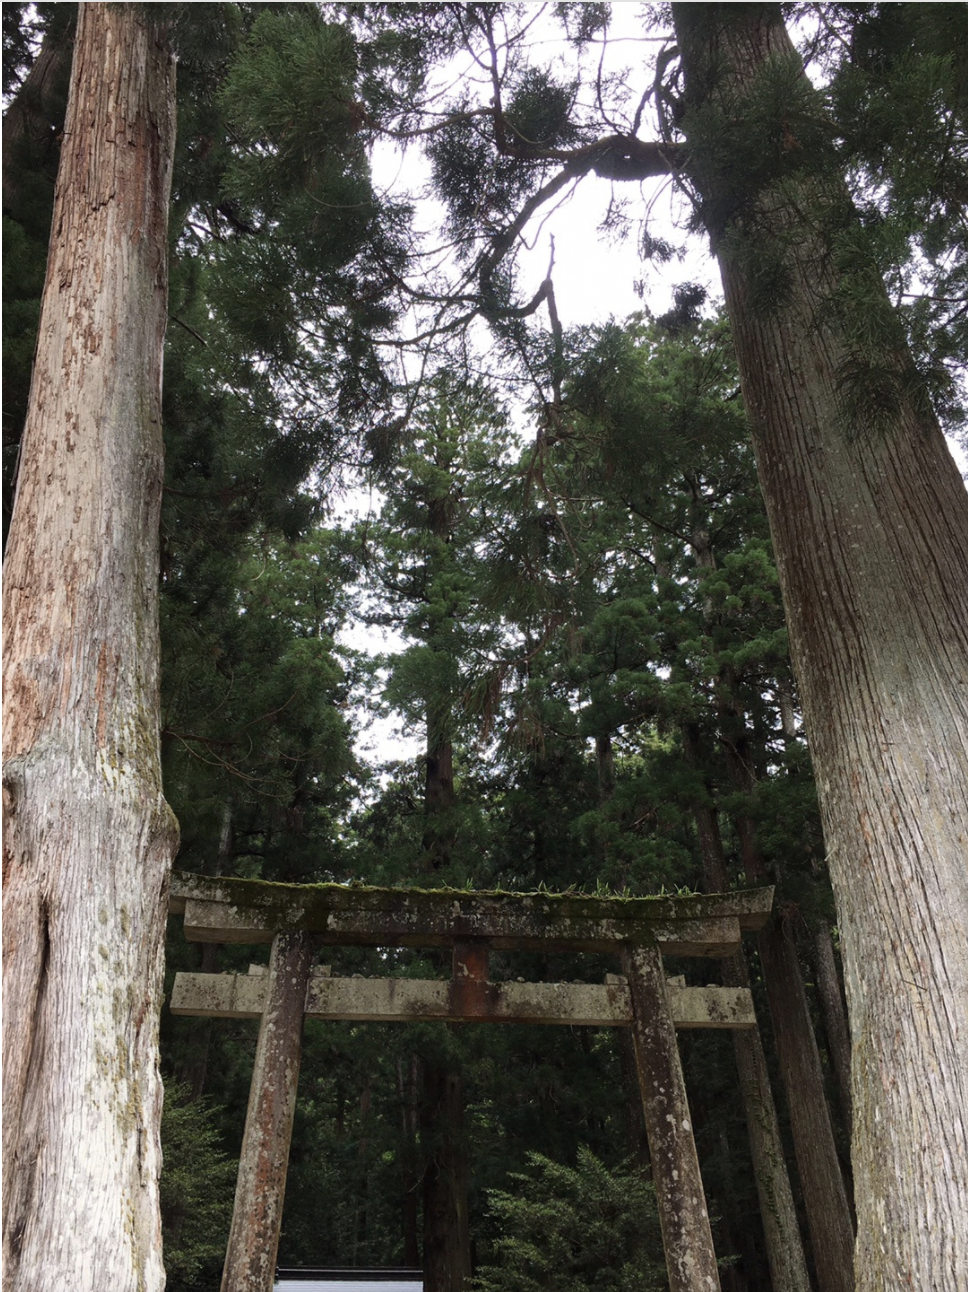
x=633 y=1119
x=871 y=538
x=407 y=1089
x=29 y=136
x=439 y=797
x=824 y=1194
x=821 y=1177
x=784 y=1246
x=447 y=1244
x=88 y=837
x=446 y=1234
x=834 y=1015
x=605 y=765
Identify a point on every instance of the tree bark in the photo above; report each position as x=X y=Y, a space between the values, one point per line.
x=439 y=797
x=781 y=1230
x=88 y=837
x=250 y=1259
x=409 y=1157
x=636 y=1136
x=834 y=1016
x=784 y=1246
x=824 y=1195
x=447 y=1244
x=870 y=531
x=30 y=135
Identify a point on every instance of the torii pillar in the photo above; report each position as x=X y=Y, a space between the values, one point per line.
x=637 y=929
x=681 y=1199
x=250 y=1260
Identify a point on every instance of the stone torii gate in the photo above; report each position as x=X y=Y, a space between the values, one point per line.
x=300 y=919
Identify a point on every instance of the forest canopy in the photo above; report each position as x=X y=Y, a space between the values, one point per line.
x=664 y=597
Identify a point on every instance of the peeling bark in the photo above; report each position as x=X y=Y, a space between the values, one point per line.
x=88 y=837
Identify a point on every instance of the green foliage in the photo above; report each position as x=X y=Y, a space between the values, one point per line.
x=899 y=94
x=33 y=127
x=292 y=85
x=197 y=1193
x=252 y=695
x=539 y=112
x=573 y=1229
x=741 y=145
x=279 y=276
x=471 y=178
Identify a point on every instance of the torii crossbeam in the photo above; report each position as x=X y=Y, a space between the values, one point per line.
x=299 y=919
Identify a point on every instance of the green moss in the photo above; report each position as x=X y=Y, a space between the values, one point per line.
x=293 y=901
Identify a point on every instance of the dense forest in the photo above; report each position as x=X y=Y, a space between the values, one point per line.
x=673 y=603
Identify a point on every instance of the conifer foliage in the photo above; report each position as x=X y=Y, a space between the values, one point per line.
x=706 y=554
x=573 y=1228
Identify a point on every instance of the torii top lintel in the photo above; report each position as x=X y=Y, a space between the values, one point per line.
x=250 y=911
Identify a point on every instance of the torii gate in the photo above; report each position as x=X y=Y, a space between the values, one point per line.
x=299 y=919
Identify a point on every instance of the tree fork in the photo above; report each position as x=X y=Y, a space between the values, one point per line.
x=88 y=837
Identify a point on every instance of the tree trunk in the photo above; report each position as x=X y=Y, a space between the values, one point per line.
x=605 y=767
x=439 y=799
x=781 y=1230
x=88 y=836
x=30 y=137
x=636 y=1136
x=870 y=531
x=824 y=1195
x=447 y=1246
x=784 y=1246
x=834 y=1016
x=410 y=1175
x=446 y=1232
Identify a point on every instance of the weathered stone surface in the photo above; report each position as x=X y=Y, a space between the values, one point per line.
x=683 y=1217
x=236 y=910
x=402 y=1000
x=639 y=929
x=250 y=1260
